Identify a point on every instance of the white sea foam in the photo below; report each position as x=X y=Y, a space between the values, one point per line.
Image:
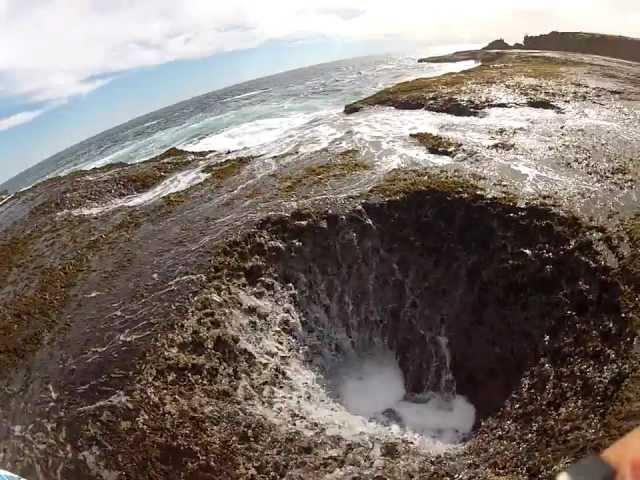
x=5 y=200
x=230 y=125
x=153 y=122
x=309 y=398
x=176 y=183
x=383 y=137
x=252 y=134
x=138 y=151
x=381 y=134
x=446 y=420
x=248 y=94
x=368 y=387
x=314 y=125
x=297 y=121
x=372 y=386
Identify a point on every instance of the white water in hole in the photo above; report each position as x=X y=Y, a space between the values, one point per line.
x=372 y=386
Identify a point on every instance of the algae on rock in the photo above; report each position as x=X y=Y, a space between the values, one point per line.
x=437 y=144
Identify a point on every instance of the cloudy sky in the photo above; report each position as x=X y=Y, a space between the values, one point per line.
x=72 y=68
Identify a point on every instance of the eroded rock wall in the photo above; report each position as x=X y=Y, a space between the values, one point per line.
x=613 y=46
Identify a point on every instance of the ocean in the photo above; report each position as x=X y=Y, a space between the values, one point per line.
x=297 y=111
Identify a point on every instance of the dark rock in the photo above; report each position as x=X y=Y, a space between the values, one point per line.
x=464 y=56
x=411 y=103
x=498 y=45
x=504 y=146
x=390 y=450
x=496 y=297
x=543 y=104
x=625 y=48
x=353 y=108
x=390 y=417
x=453 y=106
x=437 y=144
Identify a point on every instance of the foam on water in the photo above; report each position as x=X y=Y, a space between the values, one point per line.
x=310 y=395
x=139 y=150
x=373 y=387
x=262 y=117
x=302 y=112
x=248 y=94
x=176 y=183
x=5 y=200
x=252 y=134
x=383 y=134
x=369 y=386
x=311 y=124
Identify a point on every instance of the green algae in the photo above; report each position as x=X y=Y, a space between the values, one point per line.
x=344 y=164
x=108 y=183
x=12 y=253
x=218 y=175
x=400 y=183
x=32 y=305
x=513 y=71
x=221 y=172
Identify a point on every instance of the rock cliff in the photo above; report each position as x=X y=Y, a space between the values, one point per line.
x=614 y=46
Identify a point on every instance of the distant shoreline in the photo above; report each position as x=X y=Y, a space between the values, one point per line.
x=613 y=46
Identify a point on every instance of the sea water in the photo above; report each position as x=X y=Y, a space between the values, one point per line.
x=295 y=111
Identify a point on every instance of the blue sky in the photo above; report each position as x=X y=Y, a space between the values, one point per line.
x=72 y=68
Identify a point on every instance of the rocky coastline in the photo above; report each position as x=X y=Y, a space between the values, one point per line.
x=612 y=46
x=184 y=336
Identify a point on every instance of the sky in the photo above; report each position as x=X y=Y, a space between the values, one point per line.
x=72 y=68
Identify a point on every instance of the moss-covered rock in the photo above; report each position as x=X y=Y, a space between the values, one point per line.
x=337 y=167
x=221 y=172
x=450 y=93
x=111 y=182
x=437 y=144
x=399 y=183
x=499 y=44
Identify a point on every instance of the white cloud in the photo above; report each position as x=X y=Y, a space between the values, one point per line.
x=49 y=85
x=19 y=118
x=51 y=50
x=344 y=13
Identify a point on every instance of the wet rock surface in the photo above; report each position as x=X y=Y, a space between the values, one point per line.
x=437 y=144
x=191 y=334
x=503 y=80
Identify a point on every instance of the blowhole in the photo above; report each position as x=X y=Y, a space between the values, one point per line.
x=448 y=316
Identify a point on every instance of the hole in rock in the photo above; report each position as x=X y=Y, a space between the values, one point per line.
x=430 y=311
